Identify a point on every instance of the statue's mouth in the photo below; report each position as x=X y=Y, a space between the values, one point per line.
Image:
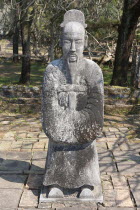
x=72 y=58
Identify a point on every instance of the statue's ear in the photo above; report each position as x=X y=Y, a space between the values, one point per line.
x=86 y=41
x=60 y=41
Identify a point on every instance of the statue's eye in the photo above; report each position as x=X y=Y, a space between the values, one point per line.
x=66 y=42
x=78 y=42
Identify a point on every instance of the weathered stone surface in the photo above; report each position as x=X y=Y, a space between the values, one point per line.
x=77 y=204
x=45 y=206
x=136 y=194
x=134 y=182
x=123 y=198
x=109 y=134
x=129 y=156
x=43 y=135
x=39 y=155
x=35 y=208
x=105 y=177
x=119 y=182
x=5 y=145
x=107 y=167
x=14 y=165
x=109 y=198
x=4 y=122
x=29 y=198
x=32 y=134
x=19 y=155
x=21 y=135
x=11 y=172
x=16 y=146
x=101 y=146
x=113 y=146
x=38 y=146
x=9 y=198
x=12 y=181
x=113 y=129
x=107 y=185
x=58 y=205
x=20 y=91
x=26 y=146
x=113 y=139
x=127 y=167
x=38 y=165
x=34 y=181
x=115 y=208
x=77 y=208
x=105 y=156
x=9 y=136
x=3 y=155
x=73 y=112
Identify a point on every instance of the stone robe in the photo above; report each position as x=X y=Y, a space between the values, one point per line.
x=72 y=119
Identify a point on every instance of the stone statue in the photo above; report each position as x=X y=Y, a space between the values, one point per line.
x=72 y=114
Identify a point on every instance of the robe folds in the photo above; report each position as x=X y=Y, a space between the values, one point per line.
x=72 y=119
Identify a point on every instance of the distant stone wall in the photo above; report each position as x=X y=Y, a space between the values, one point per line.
x=19 y=91
x=20 y=98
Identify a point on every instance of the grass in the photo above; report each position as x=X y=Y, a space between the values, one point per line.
x=10 y=73
x=107 y=73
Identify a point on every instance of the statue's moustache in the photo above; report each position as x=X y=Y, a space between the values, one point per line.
x=72 y=57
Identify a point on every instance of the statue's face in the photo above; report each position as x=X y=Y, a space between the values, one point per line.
x=73 y=41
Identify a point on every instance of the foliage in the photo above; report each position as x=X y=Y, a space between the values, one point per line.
x=103 y=18
x=129 y=21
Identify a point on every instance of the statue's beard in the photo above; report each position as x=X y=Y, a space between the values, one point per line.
x=73 y=64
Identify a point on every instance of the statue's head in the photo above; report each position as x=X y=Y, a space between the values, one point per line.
x=73 y=38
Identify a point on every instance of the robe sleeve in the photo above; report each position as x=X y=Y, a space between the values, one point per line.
x=89 y=121
x=65 y=123
x=49 y=99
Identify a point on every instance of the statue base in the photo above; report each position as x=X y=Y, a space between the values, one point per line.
x=71 y=195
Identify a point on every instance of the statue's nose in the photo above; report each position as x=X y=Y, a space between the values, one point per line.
x=72 y=49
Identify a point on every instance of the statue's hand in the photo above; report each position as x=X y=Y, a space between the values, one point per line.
x=67 y=100
x=72 y=96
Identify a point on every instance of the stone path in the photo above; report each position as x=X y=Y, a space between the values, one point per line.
x=23 y=148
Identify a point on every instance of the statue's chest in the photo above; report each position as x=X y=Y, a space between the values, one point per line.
x=66 y=78
x=72 y=92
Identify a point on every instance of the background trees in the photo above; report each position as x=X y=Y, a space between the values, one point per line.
x=27 y=12
x=131 y=13
x=34 y=24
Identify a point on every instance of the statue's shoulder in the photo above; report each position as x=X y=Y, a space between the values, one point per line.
x=52 y=71
x=92 y=67
x=52 y=66
x=93 y=75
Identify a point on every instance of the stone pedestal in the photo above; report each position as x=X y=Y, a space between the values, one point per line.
x=72 y=195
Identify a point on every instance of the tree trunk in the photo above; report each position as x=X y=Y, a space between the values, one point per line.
x=133 y=67
x=25 y=24
x=126 y=35
x=16 y=36
x=15 y=44
x=25 y=37
x=52 y=44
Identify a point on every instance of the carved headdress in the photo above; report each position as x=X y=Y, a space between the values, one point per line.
x=74 y=15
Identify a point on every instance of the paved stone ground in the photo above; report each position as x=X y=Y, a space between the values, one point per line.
x=23 y=148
